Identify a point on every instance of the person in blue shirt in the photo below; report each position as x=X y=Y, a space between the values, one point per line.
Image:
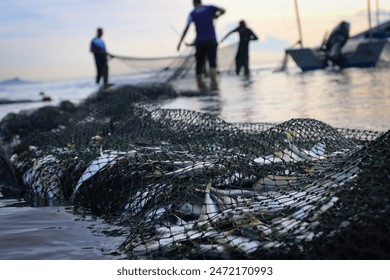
x=98 y=48
x=242 y=55
x=206 y=41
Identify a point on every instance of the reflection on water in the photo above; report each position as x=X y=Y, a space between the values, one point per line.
x=352 y=98
x=46 y=233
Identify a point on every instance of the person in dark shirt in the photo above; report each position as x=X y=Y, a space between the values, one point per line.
x=242 y=56
x=100 y=53
x=335 y=42
x=206 y=42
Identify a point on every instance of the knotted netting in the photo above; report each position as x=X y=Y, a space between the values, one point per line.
x=188 y=185
x=171 y=68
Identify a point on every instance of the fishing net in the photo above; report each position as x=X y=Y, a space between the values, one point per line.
x=188 y=185
x=166 y=69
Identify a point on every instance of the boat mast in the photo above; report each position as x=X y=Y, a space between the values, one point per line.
x=369 y=19
x=377 y=13
x=299 y=23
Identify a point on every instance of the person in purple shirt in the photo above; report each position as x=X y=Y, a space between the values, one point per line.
x=100 y=53
x=206 y=41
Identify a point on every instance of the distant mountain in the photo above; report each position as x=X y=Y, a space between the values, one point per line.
x=14 y=81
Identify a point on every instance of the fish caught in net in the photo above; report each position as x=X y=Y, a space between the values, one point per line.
x=188 y=185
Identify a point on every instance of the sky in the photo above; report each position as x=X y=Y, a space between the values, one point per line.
x=49 y=39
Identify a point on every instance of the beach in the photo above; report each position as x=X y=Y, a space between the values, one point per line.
x=353 y=98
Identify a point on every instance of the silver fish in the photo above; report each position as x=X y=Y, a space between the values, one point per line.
x=234 y=193
x=275 y=182
x=104 y=161
x=209 y=208
x=294 y=153
x=243 y=244
x=43 y=179
x=198 y=168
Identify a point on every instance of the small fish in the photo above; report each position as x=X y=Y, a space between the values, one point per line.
x=243 y=244
x=293 y=153
x=303 y=212
x=96 y=166
x=154 y=214
x=272 y=182
x=43 y=179
x=234 y=193
x=226 y=201
x=329 y=204
x=138 y=203
x=189 y=208
x=308 y=236
x=209 y=208
x=177 y=164
x=144 y=197
x=277 y=157
x=346 y=174
x=316 y=152
x=272 y=244
x=198 y=168
x=101 y=163
x=293 y=148
x=282 y=226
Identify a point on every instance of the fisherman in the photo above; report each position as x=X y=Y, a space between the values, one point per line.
x=206 y=40
x=336 y=40
x=242 y=55
x=98 y=48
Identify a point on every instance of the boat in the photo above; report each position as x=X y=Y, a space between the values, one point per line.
x=340 y=51
x=358 y=51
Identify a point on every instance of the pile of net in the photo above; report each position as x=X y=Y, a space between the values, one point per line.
x=188 y=185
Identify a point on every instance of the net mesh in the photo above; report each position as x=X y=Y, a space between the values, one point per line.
x=170 y=68
x=188 y=185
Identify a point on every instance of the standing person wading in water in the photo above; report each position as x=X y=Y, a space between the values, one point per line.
x=242 y=56
x=206 y=42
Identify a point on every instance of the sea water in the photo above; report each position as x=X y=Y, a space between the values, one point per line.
x=15 y=91
x=352 y=98
x=44 y=233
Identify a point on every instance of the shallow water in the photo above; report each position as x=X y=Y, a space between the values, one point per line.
x=46 y=233
x=72 y=90
x=352 y=98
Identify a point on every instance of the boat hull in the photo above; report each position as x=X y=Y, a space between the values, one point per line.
x=366 y=54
